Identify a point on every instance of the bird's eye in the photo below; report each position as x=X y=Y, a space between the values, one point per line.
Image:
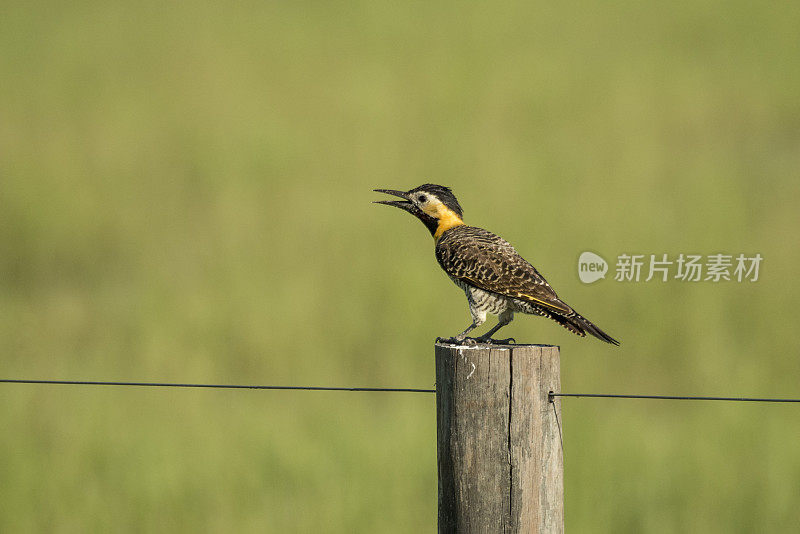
x=422 y=198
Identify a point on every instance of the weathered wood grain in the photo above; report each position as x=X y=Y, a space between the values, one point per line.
x=499 y=439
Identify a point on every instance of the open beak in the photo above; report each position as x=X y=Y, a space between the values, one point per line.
x=406 y=205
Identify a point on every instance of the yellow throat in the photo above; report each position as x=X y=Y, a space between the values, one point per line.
x=447 y=219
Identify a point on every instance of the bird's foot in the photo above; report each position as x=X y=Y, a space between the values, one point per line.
x=472 y=341
x=492 y=341
x=455 y=340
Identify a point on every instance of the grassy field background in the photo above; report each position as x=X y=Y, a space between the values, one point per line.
x=185 y=195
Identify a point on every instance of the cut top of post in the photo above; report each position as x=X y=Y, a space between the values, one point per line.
x=484 y=346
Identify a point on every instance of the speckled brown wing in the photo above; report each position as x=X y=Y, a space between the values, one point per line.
x=489 y=262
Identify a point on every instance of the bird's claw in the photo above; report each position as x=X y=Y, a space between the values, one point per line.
x=468 y=341
x=473 y=341
x=492 y=341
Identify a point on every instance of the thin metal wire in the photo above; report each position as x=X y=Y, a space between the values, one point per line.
x=667 y=397
x=218 y=386
x=551 y=395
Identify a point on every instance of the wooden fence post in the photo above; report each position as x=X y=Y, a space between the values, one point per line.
x=499 y=439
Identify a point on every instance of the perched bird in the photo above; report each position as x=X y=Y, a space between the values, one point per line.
x=495 y=278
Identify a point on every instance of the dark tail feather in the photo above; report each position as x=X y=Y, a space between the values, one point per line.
x=587 y=325
x=578 y=324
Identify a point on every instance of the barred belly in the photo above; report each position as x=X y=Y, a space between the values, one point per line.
x=485 y=301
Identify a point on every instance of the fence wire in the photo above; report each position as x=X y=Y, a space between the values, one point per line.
x=551 y=396
x=210 y=386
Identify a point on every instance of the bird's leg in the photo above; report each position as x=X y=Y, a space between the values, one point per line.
x=503 y=320
x=478 y=318
x=462 y=337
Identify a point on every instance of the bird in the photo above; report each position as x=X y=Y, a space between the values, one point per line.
x=496 y=279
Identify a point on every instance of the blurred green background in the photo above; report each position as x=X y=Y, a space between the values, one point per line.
x=185 y=195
